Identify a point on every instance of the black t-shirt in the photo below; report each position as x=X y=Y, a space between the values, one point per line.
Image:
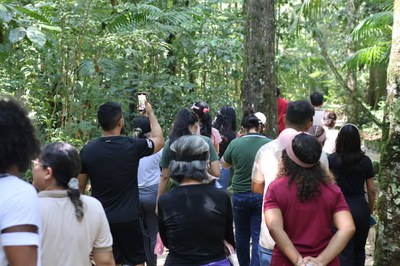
x=226 y=139
x=112 y=163
x=193 y=222
x=352 y=181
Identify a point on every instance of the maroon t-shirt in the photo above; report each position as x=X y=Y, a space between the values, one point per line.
x=282 y=106
x=308 y=224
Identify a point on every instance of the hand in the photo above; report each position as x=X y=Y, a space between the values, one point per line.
x=311 y=261
x=149 y=109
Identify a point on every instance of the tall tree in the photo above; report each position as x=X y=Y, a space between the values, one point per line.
x=259 y=81
x=387 y=244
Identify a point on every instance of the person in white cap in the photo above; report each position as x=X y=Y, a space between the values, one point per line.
x=263 y=120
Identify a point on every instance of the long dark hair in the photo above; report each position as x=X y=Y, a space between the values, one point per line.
x=203 y=111
x=308 y=150
x=65 y=163
x=183 y=120
x=348 y=147
x=225 y=121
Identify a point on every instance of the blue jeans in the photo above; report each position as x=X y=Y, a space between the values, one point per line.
x=224 y=177
x=148 y=200
x=265 y=256
x=247 y=217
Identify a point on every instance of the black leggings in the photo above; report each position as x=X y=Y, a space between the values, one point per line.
x=354 y=253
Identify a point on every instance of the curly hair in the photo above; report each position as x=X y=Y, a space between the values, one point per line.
x=308 y=180
x=18 y=141
x=329 y=119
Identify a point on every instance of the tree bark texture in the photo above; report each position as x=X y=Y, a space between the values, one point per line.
x=376 y=85
x=387 y=251
x=351 y=78
x=259 y=82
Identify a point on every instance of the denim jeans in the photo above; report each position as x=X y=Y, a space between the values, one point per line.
x=247 y=217
x=265 y=256
x=148 y=200
x=224 y=177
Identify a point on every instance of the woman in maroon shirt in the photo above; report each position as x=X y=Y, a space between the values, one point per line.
x=303 y=205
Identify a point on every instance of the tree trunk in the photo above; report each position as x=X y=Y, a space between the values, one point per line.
x=377 y=85
x=351 y=78
x=387 y=251
x=259 y=82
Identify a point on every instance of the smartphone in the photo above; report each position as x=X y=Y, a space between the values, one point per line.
x=142 y=101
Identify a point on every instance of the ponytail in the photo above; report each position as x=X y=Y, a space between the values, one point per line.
x=65 y=162
x=203 y=112
x=75 y=196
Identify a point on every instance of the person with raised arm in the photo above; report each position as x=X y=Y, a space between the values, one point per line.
x=111 y=163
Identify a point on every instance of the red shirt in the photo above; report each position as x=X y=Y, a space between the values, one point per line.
x=308 y=224
x=282 y=106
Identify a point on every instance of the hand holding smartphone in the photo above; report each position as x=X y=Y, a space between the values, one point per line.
x=142 y=102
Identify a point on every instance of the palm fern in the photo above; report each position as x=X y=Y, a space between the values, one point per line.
x=373 y=35
x=378 y=54
x=146 y=16
x=378 y=24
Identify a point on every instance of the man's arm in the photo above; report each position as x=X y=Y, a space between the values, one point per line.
x=257 y=187
x=21 y=255
x=257 y=177
x=105 y=258
x=214 y=169
x=224 y=164
x=156 y=131
x=83 y=180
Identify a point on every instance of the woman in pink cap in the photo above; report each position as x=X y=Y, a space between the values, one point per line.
x=303 y=205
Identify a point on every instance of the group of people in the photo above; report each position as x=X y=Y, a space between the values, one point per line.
x=292 y=200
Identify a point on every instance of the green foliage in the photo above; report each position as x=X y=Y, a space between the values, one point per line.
x=65 y=58
x=378 y=54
